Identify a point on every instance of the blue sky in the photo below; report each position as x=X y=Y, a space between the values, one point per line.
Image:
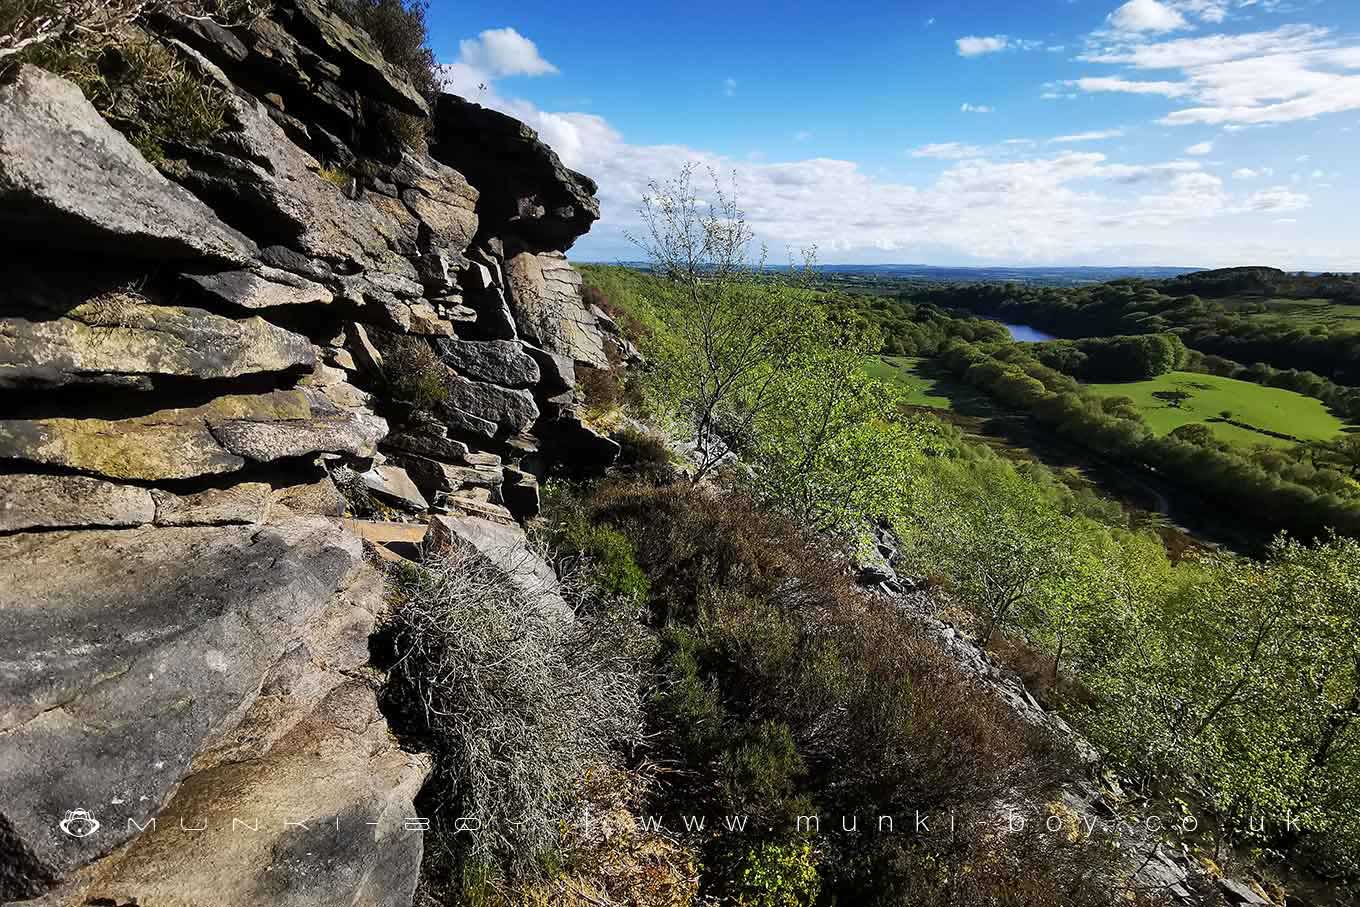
x=1147 y=132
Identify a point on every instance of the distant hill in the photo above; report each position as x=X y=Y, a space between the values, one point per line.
x=1264 y=282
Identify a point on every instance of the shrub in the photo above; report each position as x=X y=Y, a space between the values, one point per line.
x=413 y=376
x=628 y=323
x=774 y=874
x=398 y=28
x=784 y=691
x=515 y=704
x=602 y=389
x=140 y=85
x=641 y=447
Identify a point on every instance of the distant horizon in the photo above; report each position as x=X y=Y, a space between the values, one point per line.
x=1186 y=269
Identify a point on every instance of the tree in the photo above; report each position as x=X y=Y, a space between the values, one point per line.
x=734 y=333
x=995 y=533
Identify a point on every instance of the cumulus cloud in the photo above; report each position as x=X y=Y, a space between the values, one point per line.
x=976 y=108
x=500 y=52
x=1201 y=149
x=974 y=46
x=1146 y=16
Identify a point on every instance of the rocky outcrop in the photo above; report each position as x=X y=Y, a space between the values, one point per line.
x=187 y=708
x=64 y=169
x=530 y=194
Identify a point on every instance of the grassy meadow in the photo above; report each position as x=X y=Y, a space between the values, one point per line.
x=1268 y=408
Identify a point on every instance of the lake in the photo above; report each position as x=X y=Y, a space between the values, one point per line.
x=1023 y=333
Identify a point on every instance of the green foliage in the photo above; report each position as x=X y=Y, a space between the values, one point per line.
x=607 y=554
x=398 y=28
x=784 y=692
x=413 y=377
x=1114 y=358
x=1291 y=489
x=776 y=874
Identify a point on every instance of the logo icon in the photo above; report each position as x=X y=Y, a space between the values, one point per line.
x=79 y=823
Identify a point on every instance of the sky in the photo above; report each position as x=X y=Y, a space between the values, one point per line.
x=1191 y=133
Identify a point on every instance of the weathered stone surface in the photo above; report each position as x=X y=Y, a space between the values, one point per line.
x=429 y=439
x=239 y=504
x=494 y=319
x=119 y=336
x=365 y=353
x=69 y=179
x=393 y=485
x=502 y=362
x=128 y=652
x=443 y=201
x=326 y=427
x=361 y=59
x=1237 y=893
x=426 y=321
x=319 y=498
x=507 y=548
x=50 y=502
x=256 y=170
x=511 y=411
x=557 y=372
x=434 y=476
x=545 y=297
x=526 y=189
x=332 y=801
x=216 y=437
x=263 y=288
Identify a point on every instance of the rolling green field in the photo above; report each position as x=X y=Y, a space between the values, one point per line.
x=920 y=389
x=1307 y=312
x=1267 y=408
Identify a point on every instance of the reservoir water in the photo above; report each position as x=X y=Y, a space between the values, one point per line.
x=1023 y=333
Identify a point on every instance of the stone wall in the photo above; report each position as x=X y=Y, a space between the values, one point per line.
x=192 y=359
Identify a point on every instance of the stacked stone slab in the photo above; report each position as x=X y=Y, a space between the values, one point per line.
x=191 y=354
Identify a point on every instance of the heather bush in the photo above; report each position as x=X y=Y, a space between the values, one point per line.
x=516 y=704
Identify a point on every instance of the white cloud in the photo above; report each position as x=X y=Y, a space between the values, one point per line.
x=1094 y=85
x=976 y=108
x=500 y=52
x=1095 y=136
x=1295 y=72
x=974 y=46
x=1002 y=204
x=1146 y=16
x=1201 y=149
x=1246 y=173
x=1278 y=198
x=947 y=151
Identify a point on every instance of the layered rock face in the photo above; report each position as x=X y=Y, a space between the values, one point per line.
x=200 y=364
